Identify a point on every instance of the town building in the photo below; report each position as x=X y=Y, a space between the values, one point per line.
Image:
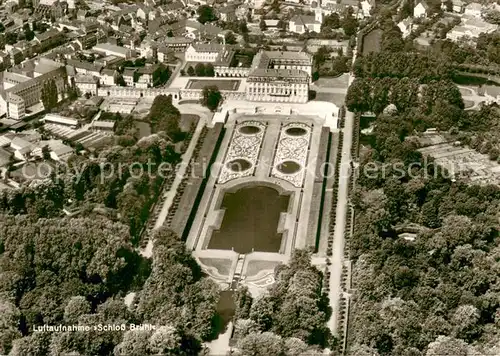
x=406 y=27
x=60 y=120
x=422 y=9
x=203 y=52
x=27 y=91
x=283 y=60
x=108 y=76
x=278 y=85
x=87 y=84
x=474 y=9
x=113 y=50
x=301 y=24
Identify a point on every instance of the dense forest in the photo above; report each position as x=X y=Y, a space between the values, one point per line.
x=76 y=271
x=437 y=294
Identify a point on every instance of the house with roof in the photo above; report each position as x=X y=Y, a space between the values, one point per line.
x=227 y=13
x=21 y=148
x=301 y=24
x=422 y=9
x=108 y=76
x=129 y=76
x=49 y=39
x=406 y=26
x=473 y=9
x=82 y=67
x=203 y=52
x=366 y=7
x=457 y=6
x=58 y=151
x=87 y=84
x=145 y=76
x=109 y=49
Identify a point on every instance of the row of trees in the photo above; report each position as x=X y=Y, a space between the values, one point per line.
x=200 y=70
x=436 y=104
x=424 y=67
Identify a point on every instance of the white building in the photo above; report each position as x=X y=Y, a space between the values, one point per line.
x=406 y=26
x=112 y=50
x=470 y=27
x=474 y=9
x=60 y=120
x=366 y=7
x=22 y=148
x=278 y=85
x=108 y=76
x=421 y=9
x=203 y=52
x=87 y=84
x=301 y=24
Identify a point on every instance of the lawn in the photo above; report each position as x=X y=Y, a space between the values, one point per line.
x=221 y=84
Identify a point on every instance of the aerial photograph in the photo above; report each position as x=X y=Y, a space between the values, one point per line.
x=250 y=177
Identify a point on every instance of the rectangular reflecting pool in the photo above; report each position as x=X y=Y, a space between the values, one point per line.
x=250 y=220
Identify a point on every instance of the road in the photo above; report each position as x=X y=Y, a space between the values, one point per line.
x=337 y=258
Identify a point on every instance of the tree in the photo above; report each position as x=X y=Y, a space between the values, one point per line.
x=190 y=71
x=209 y=70
x=166 y=340
x=230 y=38
x=262 y=24
x=77 y=306
x=161 y=75
x=330 y=22
x=206 y=14
x=358 y=96
x=10 y=38
x=349 y=24
x=282 y=25
x=199 y=69
x=9 y=323
x=46 y=152
x=164 y=116
x=276 y=6
x=36 y=344
x=211 y=97
x=447 y=346
x=28 y=33
x=135 y=343
x=321 y=55
x=261 y=344
x=243 y=301
x=49 y=95
x=242 y=28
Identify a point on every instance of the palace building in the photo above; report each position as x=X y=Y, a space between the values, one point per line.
x=278 y=85
x=279 y=76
